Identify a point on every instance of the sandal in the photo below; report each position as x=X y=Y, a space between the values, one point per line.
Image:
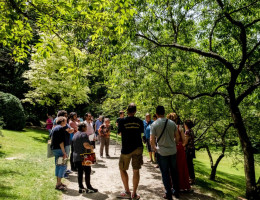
x=60 y=187
x=124 y=195
x=135 y=197
x=63 y=185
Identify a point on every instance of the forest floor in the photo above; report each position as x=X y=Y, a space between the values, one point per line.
x=106 y=178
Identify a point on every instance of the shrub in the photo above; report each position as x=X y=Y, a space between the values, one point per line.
x=12 y=111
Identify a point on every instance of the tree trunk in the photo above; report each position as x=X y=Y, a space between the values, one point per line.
x=249 y=164
x=214 y=168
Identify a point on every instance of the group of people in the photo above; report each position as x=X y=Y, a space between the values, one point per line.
x=70 y=135
x=168 y=145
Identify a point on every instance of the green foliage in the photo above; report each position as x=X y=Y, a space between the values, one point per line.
x=58 y=78
x=12 y=111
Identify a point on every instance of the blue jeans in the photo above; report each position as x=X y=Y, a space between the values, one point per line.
x=169 y=172
x=59 y=169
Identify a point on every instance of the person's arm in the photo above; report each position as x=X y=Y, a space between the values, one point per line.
x=87 y=145
x=152 y=139
x=176 y=135
x=182 y=135
x=70 y=129
x=186 y=140
x=99 y=130
x=95 y=128
x=63 y=150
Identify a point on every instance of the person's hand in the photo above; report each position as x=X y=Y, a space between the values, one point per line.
x=65 y=155
x=154 y=149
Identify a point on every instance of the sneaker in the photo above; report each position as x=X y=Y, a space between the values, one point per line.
x=68 y=171
x=108 y=156
x=101 y=156
x=82 y=190
x=124 y=195
x=91 y=190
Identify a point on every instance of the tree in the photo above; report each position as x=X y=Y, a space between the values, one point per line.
x=58 y=79
x=226 y=36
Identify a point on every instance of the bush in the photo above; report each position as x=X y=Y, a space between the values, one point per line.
x=12 y=111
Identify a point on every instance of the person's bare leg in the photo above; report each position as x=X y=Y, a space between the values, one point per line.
x=150 y=154
x=136 y=178
x=153 y=153
x=124 y=177
x=58 y=181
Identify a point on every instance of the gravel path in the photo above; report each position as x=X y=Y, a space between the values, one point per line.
x=106 y=178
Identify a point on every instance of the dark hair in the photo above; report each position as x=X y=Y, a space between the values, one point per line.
x=62 y=113
x=72 y=114
x=86 y=115
x=131 y=108
x=81 y=125
x=189 y=123
x=60 y=120
x=121 y=112
x=160 y=110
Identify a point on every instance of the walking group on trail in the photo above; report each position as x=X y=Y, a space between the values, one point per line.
x=168 y=145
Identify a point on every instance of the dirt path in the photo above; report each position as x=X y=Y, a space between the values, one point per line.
x=106 y=179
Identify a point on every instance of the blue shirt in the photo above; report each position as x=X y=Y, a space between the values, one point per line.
x=98 y=124
x=147 y=128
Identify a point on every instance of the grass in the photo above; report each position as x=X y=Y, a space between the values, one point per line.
x=25 y=171
x=230 y=181
x=30 y=175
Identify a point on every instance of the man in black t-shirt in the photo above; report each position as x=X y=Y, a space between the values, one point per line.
x=131 y=129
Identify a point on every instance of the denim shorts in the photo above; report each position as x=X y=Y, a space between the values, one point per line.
x=59 y=169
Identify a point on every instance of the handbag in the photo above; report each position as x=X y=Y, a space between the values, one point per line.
x=88 y=159
x=49 y=151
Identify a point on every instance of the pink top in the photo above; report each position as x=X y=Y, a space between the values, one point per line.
x=74 y=125
x=90 y=129
x=49 y=124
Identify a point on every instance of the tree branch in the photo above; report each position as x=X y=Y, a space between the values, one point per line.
x=212 y=31
x=254 y=48
x=204 y=132
x=243 y=38
x=252 y=23
x=191 y=49
x=247 y=92
x=18 y=10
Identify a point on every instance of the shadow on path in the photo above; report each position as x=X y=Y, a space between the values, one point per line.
x=74 y=193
